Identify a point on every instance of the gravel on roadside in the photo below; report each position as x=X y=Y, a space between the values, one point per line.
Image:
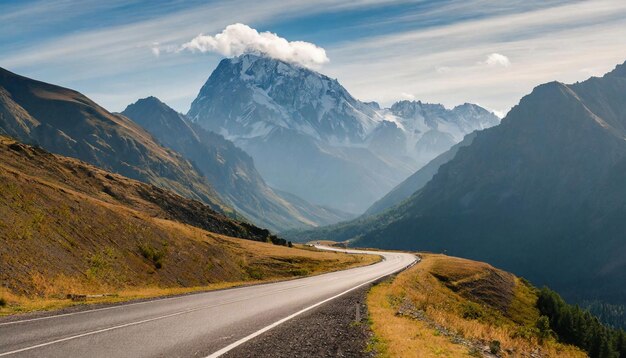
x=338 y=328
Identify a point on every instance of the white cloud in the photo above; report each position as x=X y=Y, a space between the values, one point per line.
x=496 y=59
x=407 y=96
x=566 y=41
x=156 y=50
x=238 y=39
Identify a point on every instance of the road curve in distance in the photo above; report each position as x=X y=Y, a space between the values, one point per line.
x=199 y=325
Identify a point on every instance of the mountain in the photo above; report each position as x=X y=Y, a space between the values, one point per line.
x=229 y=169
x=431 y=129
x=418 y=179
x=309 y=136
x=541 y=194
x=66 y=122
x=68 y=227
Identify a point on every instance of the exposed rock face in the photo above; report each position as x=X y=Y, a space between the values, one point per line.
x=310 y=137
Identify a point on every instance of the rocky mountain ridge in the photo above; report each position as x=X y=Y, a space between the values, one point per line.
x=229 y=169
x=286 y=116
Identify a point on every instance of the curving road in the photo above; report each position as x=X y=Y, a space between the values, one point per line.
x=200 y=325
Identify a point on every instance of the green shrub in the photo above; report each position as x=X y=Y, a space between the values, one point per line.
x=99 y=266
x=254 y=273
x=152 y=254
x=543 y=327
x=471 y=310
x=299 y=272
x=494 y=347
x=475 y=352
x=525 y=332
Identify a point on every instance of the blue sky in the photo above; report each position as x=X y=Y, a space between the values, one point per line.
x=486 y=52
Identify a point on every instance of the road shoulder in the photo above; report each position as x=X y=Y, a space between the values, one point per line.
x=338 y=328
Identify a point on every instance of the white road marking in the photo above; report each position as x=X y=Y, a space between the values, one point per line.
x=148 y=320
x=216 y=354
x=267 y=328
x=124 y=305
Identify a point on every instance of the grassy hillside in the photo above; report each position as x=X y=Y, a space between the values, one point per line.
x=67 y=227
x=68 y=123
x=229 y=169
x=451 y=307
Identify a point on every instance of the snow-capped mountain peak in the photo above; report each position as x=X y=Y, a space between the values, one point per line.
x=309 y=136
x=260 y=93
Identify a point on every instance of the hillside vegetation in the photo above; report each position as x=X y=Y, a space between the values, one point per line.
x=66 y=122
x=580 y=328
x=541 y=195
x=452 y=307
x=67 y=227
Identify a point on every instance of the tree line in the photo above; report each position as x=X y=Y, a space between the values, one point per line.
x=573 y=325
x=610 y=314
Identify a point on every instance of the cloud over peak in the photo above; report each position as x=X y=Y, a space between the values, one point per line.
x=238 y=39
x=496 y=59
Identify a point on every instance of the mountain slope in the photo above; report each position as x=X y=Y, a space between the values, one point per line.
x=67 y=227
x=229 y=169
x=64 y=121
x=310 y=137
x=417 y=180
x=541 y=194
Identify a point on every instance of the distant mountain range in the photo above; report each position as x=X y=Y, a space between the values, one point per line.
x=66 y=122
x=542 y=194
x=229 y=169
x=310 y=137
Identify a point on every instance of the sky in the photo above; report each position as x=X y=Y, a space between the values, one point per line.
x=480 y=51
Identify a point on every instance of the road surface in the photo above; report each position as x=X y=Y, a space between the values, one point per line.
x=199 y=325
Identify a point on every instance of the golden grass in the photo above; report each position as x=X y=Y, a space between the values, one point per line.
x=53 y=291
x=273 y=263
x=61 y=234
x=397 y=336
x=449 y=293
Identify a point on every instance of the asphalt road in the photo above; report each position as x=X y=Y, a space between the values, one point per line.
x=200 y=325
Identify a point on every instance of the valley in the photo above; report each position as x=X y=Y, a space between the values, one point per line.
x=536 y=195
x=355 y=179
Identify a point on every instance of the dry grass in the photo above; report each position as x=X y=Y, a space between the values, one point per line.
x=61 y=232
x=470 y=300
x=398 y=336
x=257 y=262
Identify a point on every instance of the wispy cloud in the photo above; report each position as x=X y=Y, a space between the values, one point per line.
x=446 y=63
x=239 y=39
x=89 y=59
x=439 y=53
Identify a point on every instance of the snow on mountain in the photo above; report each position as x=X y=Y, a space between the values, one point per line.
x=264 y=104
x=268 y=93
